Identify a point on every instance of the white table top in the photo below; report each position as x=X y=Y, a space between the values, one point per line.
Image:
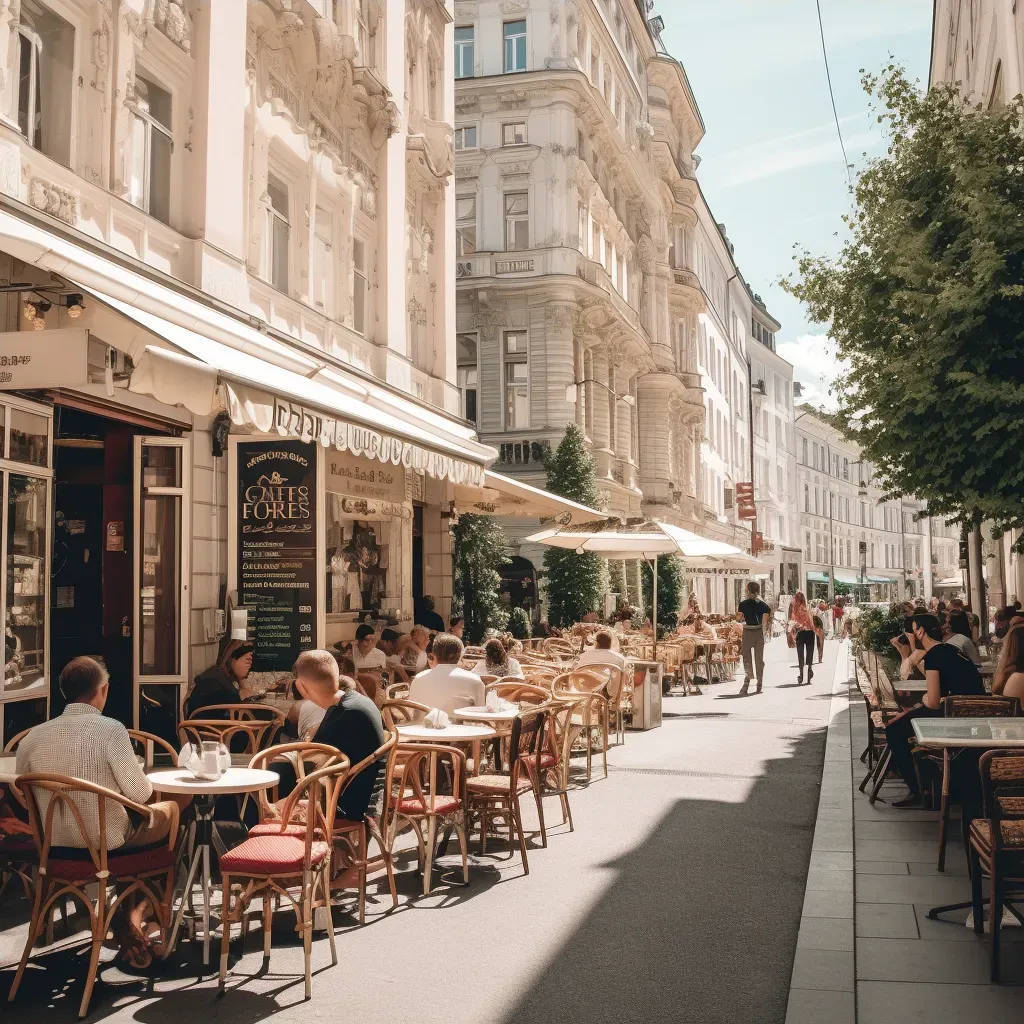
x=970 y=732
x=454 y=733
x=7 y=772
x=234 y=780
x=474 y=714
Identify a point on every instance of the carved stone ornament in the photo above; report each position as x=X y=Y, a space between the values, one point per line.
x=53 y=199
x=514 y=6
x=171 y=18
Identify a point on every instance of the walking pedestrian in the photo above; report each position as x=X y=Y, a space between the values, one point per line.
x=756 y=617
x=802 y=625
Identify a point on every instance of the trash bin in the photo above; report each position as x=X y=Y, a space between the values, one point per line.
x=646 y=694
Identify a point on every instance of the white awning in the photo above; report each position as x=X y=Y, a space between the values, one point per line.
x=502 y=496
x=265 y=383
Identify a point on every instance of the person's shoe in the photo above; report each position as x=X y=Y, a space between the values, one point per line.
x=910 y=800
x=744 y=689
x=810 y=675
x=758 y=690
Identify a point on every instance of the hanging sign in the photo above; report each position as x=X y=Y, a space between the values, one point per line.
x=275 y=509
x=44 y=359
x=363 y=478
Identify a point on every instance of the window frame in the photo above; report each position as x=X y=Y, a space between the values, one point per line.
x=151 y=124
x=328 y=279
x=462 y=223
x=504 y=129
x=359 y=278
x=464 y=368
x=463 y=128
x=514 y=39
x=507 y=386
x=274 y=219
x=460 y=46
x=516 y=219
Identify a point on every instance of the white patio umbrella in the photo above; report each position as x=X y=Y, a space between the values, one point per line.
x=647 y=541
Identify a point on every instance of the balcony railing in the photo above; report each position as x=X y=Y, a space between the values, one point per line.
x=524 y=453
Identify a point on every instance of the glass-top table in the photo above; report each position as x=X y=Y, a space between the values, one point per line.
x=970 y=732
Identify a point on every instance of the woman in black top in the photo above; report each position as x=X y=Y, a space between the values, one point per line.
x=755 y=615
x=947 y=672
x=223 y=683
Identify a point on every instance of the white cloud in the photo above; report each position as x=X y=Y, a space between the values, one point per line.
x=815 y=366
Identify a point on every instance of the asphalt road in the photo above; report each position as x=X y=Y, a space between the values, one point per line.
x=677 y=898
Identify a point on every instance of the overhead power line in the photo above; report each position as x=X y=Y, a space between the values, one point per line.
x=832 y=95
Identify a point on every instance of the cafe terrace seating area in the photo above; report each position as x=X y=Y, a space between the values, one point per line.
x=492 y=783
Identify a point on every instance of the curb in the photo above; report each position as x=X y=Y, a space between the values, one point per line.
x=822 y=986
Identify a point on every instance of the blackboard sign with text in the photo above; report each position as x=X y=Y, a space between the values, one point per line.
x=276 y=519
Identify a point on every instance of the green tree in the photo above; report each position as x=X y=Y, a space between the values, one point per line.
x=670 y=590
x=519 y=624
x=924 y=302
x=480 y=550
x=576 y=584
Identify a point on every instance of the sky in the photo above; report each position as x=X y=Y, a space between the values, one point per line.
x=771 y=166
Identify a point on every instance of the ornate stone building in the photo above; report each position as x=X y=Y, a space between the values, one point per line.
x=590 y=272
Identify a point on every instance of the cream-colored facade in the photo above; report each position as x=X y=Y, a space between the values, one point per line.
x=231 y=224
x=980 y=44
x=852 y=535
x=594 y=286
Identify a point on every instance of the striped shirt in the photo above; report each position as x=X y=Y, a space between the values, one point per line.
x=85 y=744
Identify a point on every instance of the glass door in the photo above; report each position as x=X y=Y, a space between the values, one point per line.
x=162 y=536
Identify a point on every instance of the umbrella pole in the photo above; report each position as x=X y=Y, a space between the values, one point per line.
x=654 y=602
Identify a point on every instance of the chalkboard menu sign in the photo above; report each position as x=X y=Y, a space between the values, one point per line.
x=277 y=579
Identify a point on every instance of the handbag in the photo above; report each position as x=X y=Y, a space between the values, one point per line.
x=791 y=637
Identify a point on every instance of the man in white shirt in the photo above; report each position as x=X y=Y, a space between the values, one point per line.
x=86 y=745
x=601 y=653
x=447 y=686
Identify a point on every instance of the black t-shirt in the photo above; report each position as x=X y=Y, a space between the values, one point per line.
x=753 y=610
x=958 y=675
x=354 y=726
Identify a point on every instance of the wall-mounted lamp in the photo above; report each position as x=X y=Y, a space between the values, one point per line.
x=75 y=305
x=572 y=392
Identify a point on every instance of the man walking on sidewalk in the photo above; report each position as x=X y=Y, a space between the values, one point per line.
x=756 y=617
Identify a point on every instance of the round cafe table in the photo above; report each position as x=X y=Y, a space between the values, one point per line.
x=235 y=781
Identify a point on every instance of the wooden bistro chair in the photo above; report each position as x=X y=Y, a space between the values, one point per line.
x=290 y=860
x=402 y=712
x=556 y=757
x=354 y=836
x=997 y=842
x=499 y=792
x=966 y=707
x=397 y=691
x=18 y=851
x=255 y=724
x=518 y=692
x=65 y=871
x=593 y=710
x=429 y=791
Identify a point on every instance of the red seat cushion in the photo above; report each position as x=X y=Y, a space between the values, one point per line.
x=442 y=805
x=270 y=855
x=137 y=862
x=273 y=828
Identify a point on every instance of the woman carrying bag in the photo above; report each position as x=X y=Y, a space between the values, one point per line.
x=801 y=629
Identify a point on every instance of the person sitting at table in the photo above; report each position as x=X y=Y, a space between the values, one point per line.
x=948 y=672
x=1009 y=676
x=369 y=660
x=456 y=626
x=446 y=686
x=83 y=743
x=496 y=661
x=415 y=657
x=702 y=629
x=911 y=656
x=223 y=683
x=960 y=635
x=602 y=653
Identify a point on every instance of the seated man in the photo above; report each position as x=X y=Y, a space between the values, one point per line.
x=86 y=745
x=602 y=653
x=351 y=722
x=416 y=652
x=447 y=686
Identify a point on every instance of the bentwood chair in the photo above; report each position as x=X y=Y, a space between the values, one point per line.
x=499 y=792
x=291 y=859
x=556 y=756
x=402 y=712
x=70 y=871
x=430 y=790
x=997 y=842
x=242 y=728
x=354 y=836
x=152 y=749
x=518 y=692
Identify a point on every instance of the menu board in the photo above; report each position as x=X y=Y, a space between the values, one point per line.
x=277 y=580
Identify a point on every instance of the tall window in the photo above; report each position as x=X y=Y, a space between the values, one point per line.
x=278 y=233
x=465 y=137
x=150 y=184
x=359 y=283
x=803 y=450
x=46 y=58
x=513 y=134
x=465 y=225
x=465 y=46
x=517 y=221
x=582 y=228
x=515 y=46
x=517 y=374
x=467 y=371
x=364 y=57
x=323 y=265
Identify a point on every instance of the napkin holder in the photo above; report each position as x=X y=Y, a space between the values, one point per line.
x=437 y=719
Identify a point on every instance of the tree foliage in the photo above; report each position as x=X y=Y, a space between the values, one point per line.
x=670 y=589
x=480 y=549
x=519 y=624
x=924 y=302
x=576 y=584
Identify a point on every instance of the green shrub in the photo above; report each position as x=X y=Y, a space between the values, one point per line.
x=519 y=624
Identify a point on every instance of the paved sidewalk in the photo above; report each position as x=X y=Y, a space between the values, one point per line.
x=867 y=951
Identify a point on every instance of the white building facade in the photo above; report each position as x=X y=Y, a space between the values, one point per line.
x=230 y=374
x=592 y=280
